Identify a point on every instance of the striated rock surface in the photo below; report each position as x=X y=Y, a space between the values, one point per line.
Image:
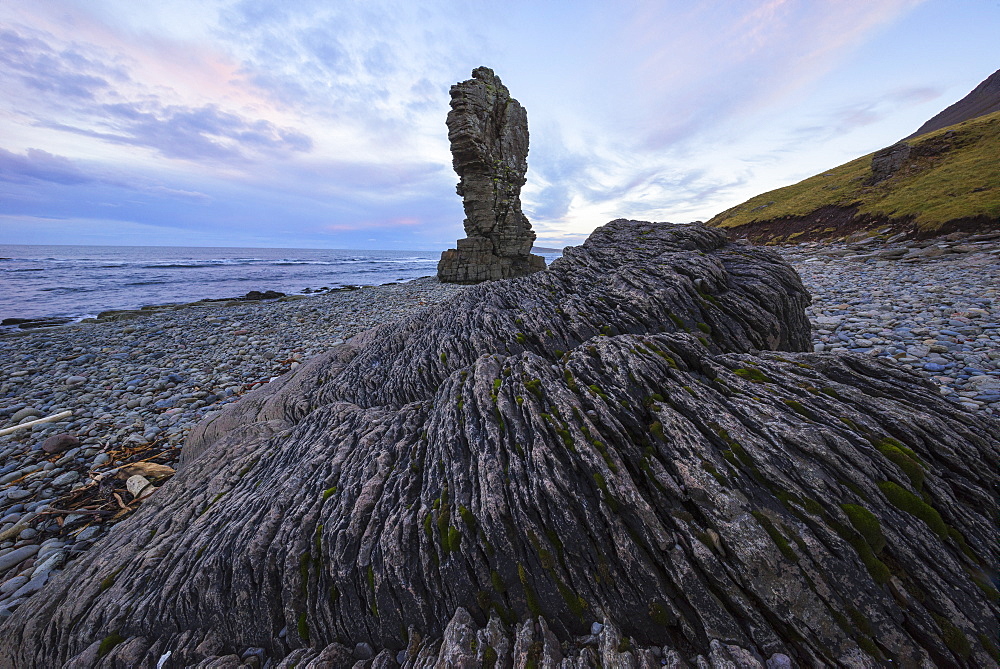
x=593 y=465
x=488 y=131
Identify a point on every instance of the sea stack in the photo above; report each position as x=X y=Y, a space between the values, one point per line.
x=488 y=131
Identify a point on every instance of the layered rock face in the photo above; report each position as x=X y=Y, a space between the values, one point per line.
x=888 y=161
x=488 y=131
x=630 y=438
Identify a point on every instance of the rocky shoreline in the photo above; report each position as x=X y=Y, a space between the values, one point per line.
x=136 y=387
x=14 y=325
x=931 y=305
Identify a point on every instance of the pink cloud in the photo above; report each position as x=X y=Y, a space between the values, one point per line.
x=734 y=59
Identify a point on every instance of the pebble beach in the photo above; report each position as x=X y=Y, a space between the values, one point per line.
x=136 y=386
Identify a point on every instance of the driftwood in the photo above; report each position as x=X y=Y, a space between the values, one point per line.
x=628 y=438
x=38 y=421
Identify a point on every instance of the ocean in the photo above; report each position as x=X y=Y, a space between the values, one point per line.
x=81 y=281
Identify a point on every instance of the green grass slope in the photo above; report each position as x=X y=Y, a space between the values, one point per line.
x=950 y=181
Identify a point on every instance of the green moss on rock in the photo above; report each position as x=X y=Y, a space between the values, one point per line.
x=798 y=408
x=956 y=640
x=776 y=536
x=534 y=386
x=903 y=458
x=109 y=642
x=905 y=500
x=529 y=593
x=754 y=375
x=865 y=522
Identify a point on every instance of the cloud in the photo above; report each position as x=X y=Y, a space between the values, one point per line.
x=726 y=61
x=87 y=91
x=398 y=222
x=367 y=63
x=195 y=133
x=69 y=72
x=329 y=117
x=681 y=89
x=44 y=171
x=178 y=194
x=847 y=118
x=40 y=165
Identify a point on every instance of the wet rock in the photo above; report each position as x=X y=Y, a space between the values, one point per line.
x=488 y=131
x=32 y=323
x=266 y=295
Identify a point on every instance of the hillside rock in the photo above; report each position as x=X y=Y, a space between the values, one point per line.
x=488 y=131
x=888 y=161
x=603 y=442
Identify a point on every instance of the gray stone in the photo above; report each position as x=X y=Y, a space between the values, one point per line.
x=888 y=161
x=363 y=651
x=27 y=412
x=488 y=131
x=16 y=557
x=66 y=479
x=53 y=561
x=13 y=584
x=16 y=494
x=779 y=661
x=58 y=443
x=7 y=478
x=34 y=584
x=89 y=533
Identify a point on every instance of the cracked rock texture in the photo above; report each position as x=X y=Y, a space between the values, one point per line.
x=488 y=131
x=630 y=438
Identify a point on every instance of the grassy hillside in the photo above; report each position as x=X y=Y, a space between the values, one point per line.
x=952 y=175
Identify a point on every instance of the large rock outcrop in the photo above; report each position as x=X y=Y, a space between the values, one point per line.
x=630 y=438
x=488 y=131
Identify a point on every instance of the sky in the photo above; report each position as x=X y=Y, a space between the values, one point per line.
x=320 y=124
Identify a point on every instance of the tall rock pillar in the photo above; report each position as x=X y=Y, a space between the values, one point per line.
x=488 y=131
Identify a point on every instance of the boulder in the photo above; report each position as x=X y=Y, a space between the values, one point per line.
x=631 y=438
x=488 y=131
x=888 y=161
x=58 y=443
x=254 y=295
